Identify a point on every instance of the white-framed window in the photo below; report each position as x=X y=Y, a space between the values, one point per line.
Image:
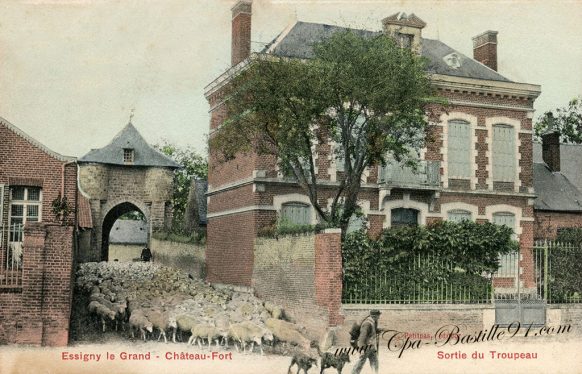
x=459 y=149
x=340 y=159
x=458 y=215
x=403 y=217
x=295 y=213
x=25 y=206
x=508 y=262
x=504 y=153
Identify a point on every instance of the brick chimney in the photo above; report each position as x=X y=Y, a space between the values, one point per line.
x=405 y=29
x=241 y=31
x=485 y=49
x=551 y=149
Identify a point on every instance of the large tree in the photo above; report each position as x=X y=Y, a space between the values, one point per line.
x=365 y=94
x=566 y=120
x=194 y=166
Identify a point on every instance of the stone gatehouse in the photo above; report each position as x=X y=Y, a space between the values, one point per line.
x=124 y=176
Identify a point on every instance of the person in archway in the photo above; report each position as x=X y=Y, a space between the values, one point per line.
x=146 y=254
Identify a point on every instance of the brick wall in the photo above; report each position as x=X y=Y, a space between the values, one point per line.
x=303 y=274
x=548 y=223
x=38 y=313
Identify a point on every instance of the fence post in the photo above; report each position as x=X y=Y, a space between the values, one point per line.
x=546 y=248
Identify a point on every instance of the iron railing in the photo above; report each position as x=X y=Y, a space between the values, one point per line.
x=421 y=279
x=11 y=255
x=396 y=175
x=558 y=271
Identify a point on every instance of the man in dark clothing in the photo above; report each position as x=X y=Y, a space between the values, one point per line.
x=368 y=340
x=146 y=254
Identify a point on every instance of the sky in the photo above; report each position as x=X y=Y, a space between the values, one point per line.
x=71 y=71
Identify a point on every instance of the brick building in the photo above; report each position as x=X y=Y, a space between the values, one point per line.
x=36 y=247
x=558 y=183
x=478 y=167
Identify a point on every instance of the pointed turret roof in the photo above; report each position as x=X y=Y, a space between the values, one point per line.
x=129 y=138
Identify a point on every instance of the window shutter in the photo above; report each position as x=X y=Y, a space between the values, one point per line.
x=459 y=215
x=508 y=262
x=503 y=153
x=296 y=213
x=459 y=149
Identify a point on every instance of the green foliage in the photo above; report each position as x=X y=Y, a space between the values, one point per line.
x=366 y=94
x=193 y=166
x=133 y=216
x=61 y=208
x=196 y=237
x=566 y=120
x=446 y=258
x=565 y=267
x=285 y=227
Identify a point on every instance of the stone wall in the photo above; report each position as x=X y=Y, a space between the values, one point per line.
x=191 y=258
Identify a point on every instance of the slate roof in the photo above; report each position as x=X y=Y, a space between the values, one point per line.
x=125 y=231
x=298 y=43
x=129 y=137
x=558 y=191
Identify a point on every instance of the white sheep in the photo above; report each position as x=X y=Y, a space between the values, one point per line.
x=184 y=322
x=161 y=322
x=204 y=331
x=287 y=332
x=138 y=320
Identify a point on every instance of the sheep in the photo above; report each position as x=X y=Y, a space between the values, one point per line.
x=161 y=322
x=138 y=320
x=184 y=322
x=104 y=313
x=201 y=331
x=287 y=332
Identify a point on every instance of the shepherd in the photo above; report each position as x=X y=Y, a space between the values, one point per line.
x=368 y=337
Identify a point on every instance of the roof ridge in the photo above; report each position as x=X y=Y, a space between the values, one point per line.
x=35 y=142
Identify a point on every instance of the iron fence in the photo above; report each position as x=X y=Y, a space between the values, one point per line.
x=558 y=271
x=420 y=279
x=11 y=255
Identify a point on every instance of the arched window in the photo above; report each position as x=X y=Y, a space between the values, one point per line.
x=458 y=215
x=404 y=216
x=295 y=213
x=459 y=149
x=504 y=153
x=357 y=222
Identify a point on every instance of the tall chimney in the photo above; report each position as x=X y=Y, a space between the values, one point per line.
x=241 y=31
x=485 y=49
x=551 y=145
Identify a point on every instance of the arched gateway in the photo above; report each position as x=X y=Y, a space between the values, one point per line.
x=126 y=175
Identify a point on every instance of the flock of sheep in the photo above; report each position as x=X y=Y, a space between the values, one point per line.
x=156 y=301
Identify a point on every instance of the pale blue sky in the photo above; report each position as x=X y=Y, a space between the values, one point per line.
x=71 y=70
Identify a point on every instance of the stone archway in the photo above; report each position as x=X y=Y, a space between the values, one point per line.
x=127 y=174
x=111 y=215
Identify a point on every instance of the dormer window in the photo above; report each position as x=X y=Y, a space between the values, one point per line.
x=128 y=156
x=405 y=40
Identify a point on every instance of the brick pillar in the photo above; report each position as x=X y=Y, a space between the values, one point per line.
x=29 y=329
x=46 y=285
x=58 y=281
x=328 y=274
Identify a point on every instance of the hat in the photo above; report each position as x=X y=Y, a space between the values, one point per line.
x=375 y=312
